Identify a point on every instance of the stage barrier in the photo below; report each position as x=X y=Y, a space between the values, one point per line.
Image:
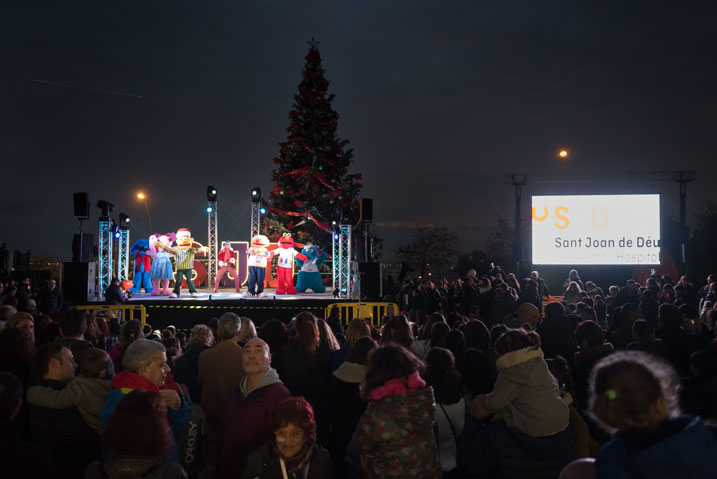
x=371 y=311
x=119 y=310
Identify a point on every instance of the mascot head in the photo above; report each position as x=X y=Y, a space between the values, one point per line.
x=166 y=240
x=311 y=252
x=259 y=241
x=286 y=241
x=139 y=247
x=184 y=238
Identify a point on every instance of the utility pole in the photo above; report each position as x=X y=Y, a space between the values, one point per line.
x=518 y=181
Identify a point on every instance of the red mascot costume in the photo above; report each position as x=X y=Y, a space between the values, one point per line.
x=285 y=265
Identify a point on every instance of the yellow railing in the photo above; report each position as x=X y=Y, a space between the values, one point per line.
x=372 y=311
x=129 y=309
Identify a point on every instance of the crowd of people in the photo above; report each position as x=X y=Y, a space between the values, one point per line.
x=474 y=378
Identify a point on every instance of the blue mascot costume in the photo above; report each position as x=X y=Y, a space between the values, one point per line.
x=309 y=277
x=142 y=265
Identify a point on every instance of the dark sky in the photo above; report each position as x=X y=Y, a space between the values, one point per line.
x=438 y=99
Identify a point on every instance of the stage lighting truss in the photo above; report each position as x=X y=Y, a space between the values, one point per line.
x=104 y=260
x=255 y=218
x=123 y=254
x=342 y=260
x=212 y=235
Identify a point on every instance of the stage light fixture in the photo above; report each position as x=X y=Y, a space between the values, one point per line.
x=256 y=194
x=124 y=221
x=262 y=210
x=336 y=236
x=106 y=207
x=210 y=209
x=211 y=194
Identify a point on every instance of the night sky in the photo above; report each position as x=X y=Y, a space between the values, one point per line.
x=438 y=99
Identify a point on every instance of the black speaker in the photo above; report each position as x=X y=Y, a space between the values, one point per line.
x=82 y=205
x=78 y=282
x=88 y=248
x=370 y=277
x=367 y=209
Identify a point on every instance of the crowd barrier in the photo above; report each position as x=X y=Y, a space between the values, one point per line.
x=124 y=312
x=372 y=311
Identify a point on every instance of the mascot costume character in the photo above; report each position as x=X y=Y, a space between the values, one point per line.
x=258 y=257
x=184 y=252
x=309 y=277
x=140 y=278
x=227 y=262
x=285 y=265
x=161 y=272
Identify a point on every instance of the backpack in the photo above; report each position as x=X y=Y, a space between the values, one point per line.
x=193 y=444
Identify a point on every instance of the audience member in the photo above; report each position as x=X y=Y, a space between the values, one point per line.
x=401 y=409
x=442 y=376
x=635 y=396
x=141 y=439
x=246 y=424
x=186 y=366
x=19 y=458
x=144 y=367
x=292 y=451
x=71 y=442
x=87 y=392
x=347 y=404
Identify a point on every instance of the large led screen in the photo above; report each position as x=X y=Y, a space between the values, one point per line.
x=596 y=229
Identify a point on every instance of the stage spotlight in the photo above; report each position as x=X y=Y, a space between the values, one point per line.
x=210 y=209
x=262 y=210
x=211 y=193
x=115 y=231
x=333 y=222
x=256 y=194
x=106 y=207
x=336 y=236
x=124 y=221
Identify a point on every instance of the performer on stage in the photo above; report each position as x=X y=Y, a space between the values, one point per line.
x=184 y=252
x=161 y=271
x=258 y=257
x=285 y=265
x=227 y=262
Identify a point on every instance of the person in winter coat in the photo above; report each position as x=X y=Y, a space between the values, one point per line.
x=347 y=405
x=441 y=374
x=634 y=395
x=87 y=392
x=141 y=438
x=246 y=423
x=395 y=434
x=304 y=365
x=292 y=453
x=186 y=366
x=145 y=368
x=530 y=434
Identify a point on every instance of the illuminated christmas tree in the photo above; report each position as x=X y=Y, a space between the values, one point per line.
x=312 y=186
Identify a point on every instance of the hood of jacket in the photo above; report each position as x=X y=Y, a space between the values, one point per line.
x=522 y=365
x=270 y=377
x=351 y=373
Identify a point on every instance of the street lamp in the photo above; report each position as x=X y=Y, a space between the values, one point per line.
x=143 y=197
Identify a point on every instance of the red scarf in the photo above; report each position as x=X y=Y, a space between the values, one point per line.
x=393 y=387
x=127 y=381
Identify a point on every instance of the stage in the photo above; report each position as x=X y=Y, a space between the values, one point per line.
x=184 y=312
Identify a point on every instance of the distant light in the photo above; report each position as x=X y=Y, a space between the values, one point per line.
x=333 y=223
x=262 y=210
x=336 y=236
x=563 y=154
x=140 y=195
x=210 y=209
x=117 y=234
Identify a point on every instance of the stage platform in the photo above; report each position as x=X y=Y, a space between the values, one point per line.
x=184 y=312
